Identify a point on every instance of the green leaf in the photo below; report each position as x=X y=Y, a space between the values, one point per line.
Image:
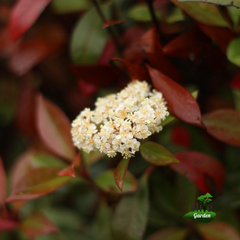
x=173 y=233
x=37 y=224
x=120 y=172
x=37 y=182
x=156 y=154
x=140 y=12
x=131 y=215
x=63 y=6
x=102 y=227
x=234 y=13
x=92 y=157
x=163 y=198
x=233 y=51
x=175 y=15
x=88 y=39
x=46 y=160
x=236 y=96
x=31 y=159
x=167 y=120
x=106 y=182
x=234 y=3
x=195 y=94
x=202 y=12
x=187 y=193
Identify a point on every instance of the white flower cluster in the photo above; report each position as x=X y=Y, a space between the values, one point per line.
x=120 y=120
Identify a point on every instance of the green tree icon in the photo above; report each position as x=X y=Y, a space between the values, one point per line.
x=205 y=199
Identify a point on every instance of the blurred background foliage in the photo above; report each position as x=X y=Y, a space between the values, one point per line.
x=56 y=60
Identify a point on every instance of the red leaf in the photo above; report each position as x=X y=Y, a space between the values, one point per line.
x=3 y=183
x=150 y=44
x=235 y=83
x=21 y=166
x=135 y=71
x=187 y=45
x=180 y=102
x=217 y=230
x=24 y=14
x=69 y=171
x=30 y=53
x=112 y=22
x=222 y=36
x=88 y=89
x=7 y=45
x=8 y=225
x=38 y=224
x=54 y=128
x=195 y=164
x=180 y=136
x=37 y=182
x=108 y=53
x=96 y=74
x=25 y=116
x=131 y=51
x=224 y=125
x=120 y=172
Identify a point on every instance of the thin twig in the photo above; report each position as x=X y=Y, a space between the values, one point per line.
x=110 y=31
x=154 y=19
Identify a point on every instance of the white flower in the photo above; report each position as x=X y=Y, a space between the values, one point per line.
x=120 y=120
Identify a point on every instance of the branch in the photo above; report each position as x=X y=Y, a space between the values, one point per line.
x=154 y=19
x=110 y=31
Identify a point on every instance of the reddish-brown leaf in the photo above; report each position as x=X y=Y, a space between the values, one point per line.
x=195 y=165
x=3 y=183
x=37 y=182
x=172 y=233
x=107 y=183
x=96 y=74
x=222 y=36
x=120 y=172
x=235 y=83
x=180 y=136
x=25 y=115
x=149 y=42
x=187 y=45
x=38 y=224
x=24 y=14
x=180 y=102
x=153 y=49
x=30 y=53
x=135 y=71
x=54 y=128
x=7 y=45
x=69 y=171
x=88 y=89
x=224 y=125
x=112 y=22
x=132 y=52
x=217 y=230
x=107 y=53
x=21 y=166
